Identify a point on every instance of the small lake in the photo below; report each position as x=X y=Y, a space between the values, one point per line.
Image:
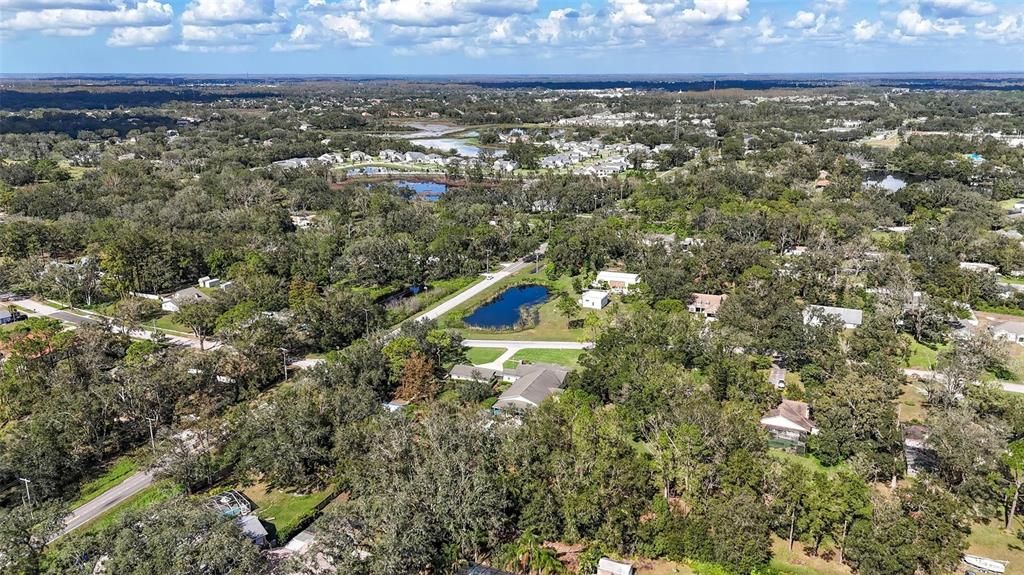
x=463 y=148
x=506 y=311
x=430 y=191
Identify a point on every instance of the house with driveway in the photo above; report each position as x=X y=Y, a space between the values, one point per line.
x=617 y=282
x=532 y=383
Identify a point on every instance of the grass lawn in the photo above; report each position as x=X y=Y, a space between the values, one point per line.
x=923 y=356
x=285 y=511
x=911 y=404
x=661 y=567
x=165 y=323
x=810 y=463
x=113 y=476
x=481 y=355
x=990 y=540
x=565 y=357
x=795 y=562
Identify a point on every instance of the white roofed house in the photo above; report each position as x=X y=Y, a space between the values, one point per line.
x=706 y=304
x=850 y=318
x=980 y=267
x=594 y=299
x=606 y=566
x=617 y=282
x=1009 y=331
x=789 y=425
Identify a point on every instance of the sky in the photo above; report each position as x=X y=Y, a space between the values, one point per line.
x=412 y=37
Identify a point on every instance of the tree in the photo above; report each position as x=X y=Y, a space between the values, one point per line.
x=528 y=555
x=200 y=317
x=1013 y=460
x=417 y=378
x=149 y=540
x=24 y=532
x=568 y=306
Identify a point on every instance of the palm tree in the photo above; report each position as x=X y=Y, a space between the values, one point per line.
x=527 y=555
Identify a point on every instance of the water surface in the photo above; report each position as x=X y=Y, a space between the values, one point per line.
x=507 y=310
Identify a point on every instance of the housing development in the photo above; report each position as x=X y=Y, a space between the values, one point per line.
x=389 y=326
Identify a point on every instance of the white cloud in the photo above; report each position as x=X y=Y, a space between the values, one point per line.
x=140 y=36
x=865 y=31
x=1009 y=29
x=911 y=23
x=630 y=13
x=716 y=11
x=241 y=35
x=421 y=12
x=802 y=20
x=146 y=13
x=347 y=29
x=33 y=5
x=209 y=12
x=225 y=49
x=766 y=32
x=958 y=8
x=500 y=8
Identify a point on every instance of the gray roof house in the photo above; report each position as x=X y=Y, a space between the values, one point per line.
x=531 y=385
x=850 y=318
x=473 y=373
x=1009 y=331
x=183 y=297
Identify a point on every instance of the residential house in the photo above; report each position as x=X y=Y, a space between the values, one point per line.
x=473 y=373
x=850 y=318
x=707 y=304
x=979 y=267
x=594 y=299
x=606 y=566
x=359 y=157
x=618 y=282
x=789 y=425
x=531 y=385
x=1009 y=331
x=208 y=282
x=506 y=166
x=184 y=297
x=253 y=528
x=919 y=455
x=666 y=240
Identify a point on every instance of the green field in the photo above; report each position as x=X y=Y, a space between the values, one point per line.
x=565 y=357
x=114 y=475
x=923 y=356
x=481 y=355
x=285 y=511
x=992 y=541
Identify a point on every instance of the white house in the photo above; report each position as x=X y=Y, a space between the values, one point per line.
x=850 y=318
x=706 y=304
x=208 y=282
x=1009 y=331
x=184 y=297
x=606 y=566
x=790 y=423
x=618 y=282
x=979 y=267
x=594 y=299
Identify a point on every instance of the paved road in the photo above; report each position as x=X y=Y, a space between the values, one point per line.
x=517 y=345
x=77 y=320
x=108 y=499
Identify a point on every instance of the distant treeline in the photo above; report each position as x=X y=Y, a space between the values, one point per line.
x=88 y=99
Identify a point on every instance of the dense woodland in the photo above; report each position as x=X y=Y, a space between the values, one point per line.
x=654 y=450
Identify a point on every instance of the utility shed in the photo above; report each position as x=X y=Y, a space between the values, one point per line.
x=608 y=567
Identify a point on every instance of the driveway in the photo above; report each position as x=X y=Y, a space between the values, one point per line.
x=517 y=344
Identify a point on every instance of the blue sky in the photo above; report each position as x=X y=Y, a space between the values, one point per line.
x=509 y=36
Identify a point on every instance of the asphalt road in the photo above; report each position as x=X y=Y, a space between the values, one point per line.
x=107 y=500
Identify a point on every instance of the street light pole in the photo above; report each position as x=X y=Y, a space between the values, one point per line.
x=284 y=361
x=152 y=436
x=28 y=494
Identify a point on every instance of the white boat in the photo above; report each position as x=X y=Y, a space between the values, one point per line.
x=986 y=564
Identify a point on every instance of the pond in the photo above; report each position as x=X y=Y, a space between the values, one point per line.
x=507 y=310
x=430 y=191
x=444 y=144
